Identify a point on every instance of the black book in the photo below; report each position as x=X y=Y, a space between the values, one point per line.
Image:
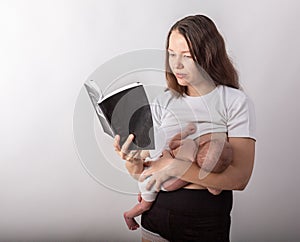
x=124 y=111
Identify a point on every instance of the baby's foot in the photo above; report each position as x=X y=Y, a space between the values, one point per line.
x=131 y=223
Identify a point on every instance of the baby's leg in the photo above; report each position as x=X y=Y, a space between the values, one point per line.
x=137 y=210
x=146 y=198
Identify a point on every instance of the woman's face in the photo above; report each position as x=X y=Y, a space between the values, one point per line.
x=181 y=62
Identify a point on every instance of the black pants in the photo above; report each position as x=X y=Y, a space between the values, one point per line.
x=190 y=215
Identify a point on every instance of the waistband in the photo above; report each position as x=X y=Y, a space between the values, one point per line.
x=192 y=201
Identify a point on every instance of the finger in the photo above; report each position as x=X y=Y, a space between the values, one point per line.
x=166 y=154
x=127 y=158
x=133 y=155
x=158 y=185
x=117 y=142
x=176 y=137
x=147 y=163
x=143 y=175
x=139 y=197
x=174 y=144
x=127 y=143
x=150 y=184
x=137 y=154
x=130 y=158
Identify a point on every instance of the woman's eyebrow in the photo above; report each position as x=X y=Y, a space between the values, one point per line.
x=185 y=51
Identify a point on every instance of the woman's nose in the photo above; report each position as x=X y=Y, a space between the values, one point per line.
x=178 y=63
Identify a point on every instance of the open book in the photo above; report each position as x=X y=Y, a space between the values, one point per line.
x=124 y=111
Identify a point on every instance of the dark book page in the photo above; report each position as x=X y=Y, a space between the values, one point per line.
x=128 y=112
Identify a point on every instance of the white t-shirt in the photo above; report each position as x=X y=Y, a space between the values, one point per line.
x=224 y=109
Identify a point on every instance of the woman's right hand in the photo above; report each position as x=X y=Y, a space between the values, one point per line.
x=134 y=158
x=124 y=153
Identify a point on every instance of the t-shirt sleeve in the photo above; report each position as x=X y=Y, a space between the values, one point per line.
x=241 y=118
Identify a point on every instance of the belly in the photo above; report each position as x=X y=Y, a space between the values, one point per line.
x=194 y=186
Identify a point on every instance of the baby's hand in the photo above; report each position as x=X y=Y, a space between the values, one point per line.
x=176 y=140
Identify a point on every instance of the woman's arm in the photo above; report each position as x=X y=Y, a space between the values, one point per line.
x=235 y=177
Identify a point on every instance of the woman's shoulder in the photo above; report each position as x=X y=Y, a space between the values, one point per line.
x=164 y=98
x=232 y=95
x=231 y=92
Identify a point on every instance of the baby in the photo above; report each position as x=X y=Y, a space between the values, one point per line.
x=212 y=153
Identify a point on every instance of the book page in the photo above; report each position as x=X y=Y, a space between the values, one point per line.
x=95 y=95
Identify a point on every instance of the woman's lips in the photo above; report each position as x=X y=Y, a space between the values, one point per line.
x=180 y=75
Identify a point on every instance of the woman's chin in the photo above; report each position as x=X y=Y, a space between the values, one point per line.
x=182 y=82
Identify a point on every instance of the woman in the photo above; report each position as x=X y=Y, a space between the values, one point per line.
x=199 y=74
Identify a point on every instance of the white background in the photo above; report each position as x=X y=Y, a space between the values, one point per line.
x=47 y=51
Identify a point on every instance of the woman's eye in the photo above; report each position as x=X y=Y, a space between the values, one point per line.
x=187 y=56
x=171 y=54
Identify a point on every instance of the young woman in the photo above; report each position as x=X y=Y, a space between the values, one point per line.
x=200 y=76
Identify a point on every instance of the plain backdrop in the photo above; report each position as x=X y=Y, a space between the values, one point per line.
x=48 y=49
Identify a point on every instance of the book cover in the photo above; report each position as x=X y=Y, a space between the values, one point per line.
x=124 y=111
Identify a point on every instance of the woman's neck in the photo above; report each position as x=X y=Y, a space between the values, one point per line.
x=200 y=90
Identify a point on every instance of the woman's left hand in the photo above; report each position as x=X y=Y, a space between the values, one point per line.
x=163 y=169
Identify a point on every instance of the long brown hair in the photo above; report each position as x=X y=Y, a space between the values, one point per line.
x=208 y=50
